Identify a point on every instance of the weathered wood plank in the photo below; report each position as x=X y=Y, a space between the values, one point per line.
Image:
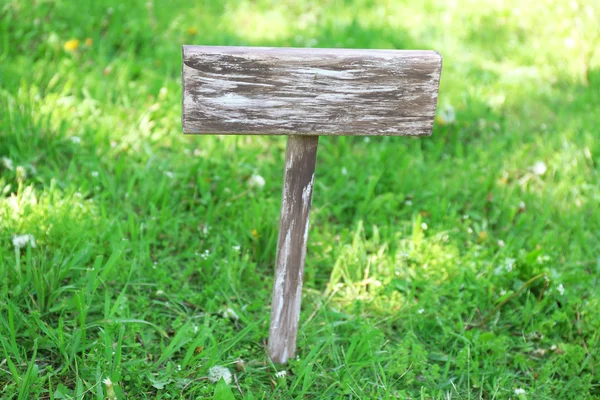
x=301 y=154
x=281 y=91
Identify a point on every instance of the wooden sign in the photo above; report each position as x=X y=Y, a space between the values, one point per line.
x=304 y=93
x=283 y=91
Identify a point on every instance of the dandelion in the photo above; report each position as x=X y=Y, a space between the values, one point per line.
x=256 y=181
x=71 y=45
x=192 y=31
x=216 y=373
x=20 y=241
x=110 y=390
x=519 y=391
x=539 y=168
x=89 y=42
x=254 y=233
x=7 y=163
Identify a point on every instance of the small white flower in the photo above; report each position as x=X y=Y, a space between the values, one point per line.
x=509 y=263
x=561 y=289
x=421 y=311
x=110 y=390
x=217 y=372
x=7 y=163
x=162 y=93
x=408 y=202
x=236 y=248
x=178 y=367
x=344 y=171
x=169 y=174
x=424 y=226
x=280 y=374
x=539 y=168
x=447 y=115
x=229 y=313
x=519 y=391
x=23 y=240
x=501 y=243
x=522 y=206
x=256 y=181
x=95 y=174
x=75 y=139
x=195 y=328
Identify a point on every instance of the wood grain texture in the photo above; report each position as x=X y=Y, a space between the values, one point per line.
x=281 y=91
x=300 y=158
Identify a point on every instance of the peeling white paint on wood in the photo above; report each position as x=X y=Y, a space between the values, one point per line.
x=291 y=248
x=281 y=91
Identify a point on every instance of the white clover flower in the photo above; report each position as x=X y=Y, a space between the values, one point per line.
x=169 y=174
x=110 y=390
x=256 y=181
x=501 y=243
x=23 y=240
x=95 y=174
x=561 y=289
x=539 y=168
x=229 y=313
x=217 y=372
x=519 y=391
x=280 y=374
x=424 y=226
x=446 y=116
x=236 y=248
x=7 y=163
x=344 y=171
x=75 y=139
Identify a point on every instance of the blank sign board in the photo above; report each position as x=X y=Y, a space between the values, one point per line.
x=293 y=91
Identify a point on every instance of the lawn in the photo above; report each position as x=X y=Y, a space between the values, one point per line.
x=464 y=265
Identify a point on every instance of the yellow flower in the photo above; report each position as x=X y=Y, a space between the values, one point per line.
x=255 y=233
x=88 y=42
x=71 y=45
x=192 y=31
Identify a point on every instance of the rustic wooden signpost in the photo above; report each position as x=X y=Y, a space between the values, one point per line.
x=304 y=93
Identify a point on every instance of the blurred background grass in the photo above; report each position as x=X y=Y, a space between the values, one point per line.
x=144 y=237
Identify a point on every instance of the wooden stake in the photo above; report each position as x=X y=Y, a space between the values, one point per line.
x=300 y=157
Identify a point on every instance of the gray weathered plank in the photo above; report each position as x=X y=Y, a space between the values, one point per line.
x=301 y=154
x=281 y=91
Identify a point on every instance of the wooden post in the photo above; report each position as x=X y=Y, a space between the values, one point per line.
x=304 y=93
x=300 y=157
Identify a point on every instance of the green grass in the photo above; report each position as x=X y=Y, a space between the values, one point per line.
x=437 y=268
